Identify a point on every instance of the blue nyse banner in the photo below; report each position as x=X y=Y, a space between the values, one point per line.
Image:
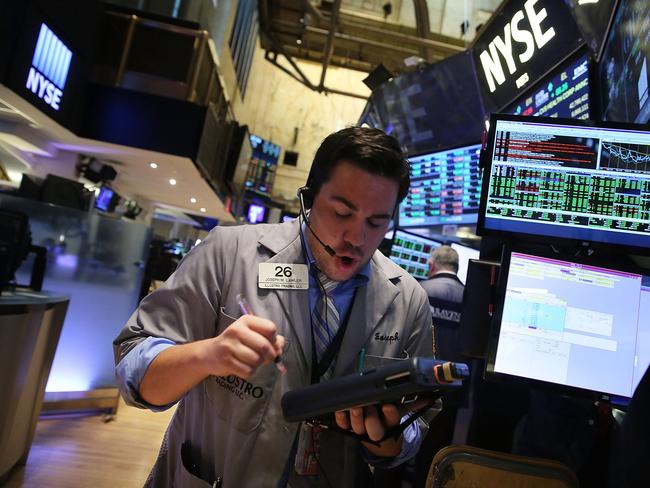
x=49 y=70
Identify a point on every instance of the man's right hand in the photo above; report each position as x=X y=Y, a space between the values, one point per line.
x=242 y=347
x=239 y=350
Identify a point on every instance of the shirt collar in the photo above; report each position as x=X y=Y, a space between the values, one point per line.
x=360 y=278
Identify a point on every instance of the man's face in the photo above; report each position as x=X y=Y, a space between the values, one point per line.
x=350 y=213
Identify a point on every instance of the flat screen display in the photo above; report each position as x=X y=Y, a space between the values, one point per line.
x=256 y=213
x=567 y=179
x=445 y=188
x=465 y=253
x=564 y=93
x=260 y=174
x=411 y=252
x=572 y=324
x=432 y=108
x=623 y=67
x=104 y=199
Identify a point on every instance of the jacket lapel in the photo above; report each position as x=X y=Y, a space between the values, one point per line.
x=287 y=248
x=371 y=303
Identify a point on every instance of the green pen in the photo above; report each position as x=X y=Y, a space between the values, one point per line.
x=361 y=360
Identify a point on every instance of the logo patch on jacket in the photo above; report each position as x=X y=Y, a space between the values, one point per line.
x=239 y=387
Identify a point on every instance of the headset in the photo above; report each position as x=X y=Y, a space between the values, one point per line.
x=306 y=198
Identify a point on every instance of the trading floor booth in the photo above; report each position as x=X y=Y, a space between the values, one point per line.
x=30 y=327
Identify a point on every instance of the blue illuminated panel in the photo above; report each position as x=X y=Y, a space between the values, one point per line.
x=50 y=65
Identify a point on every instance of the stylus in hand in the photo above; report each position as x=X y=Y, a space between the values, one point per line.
x=246 y=309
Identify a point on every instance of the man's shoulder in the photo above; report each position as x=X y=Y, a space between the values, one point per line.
x=447 y=284
x=251 y=233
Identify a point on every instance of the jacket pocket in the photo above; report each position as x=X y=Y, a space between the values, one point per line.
x=240 y=402
x=183 y=477
x=224 y=319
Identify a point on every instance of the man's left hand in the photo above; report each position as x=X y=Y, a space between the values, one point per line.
x=367 y=420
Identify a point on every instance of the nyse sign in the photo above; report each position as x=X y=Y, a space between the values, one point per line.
x=524 y=41
x=49 y=70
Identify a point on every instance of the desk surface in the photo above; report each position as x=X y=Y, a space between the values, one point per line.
x=29 y=297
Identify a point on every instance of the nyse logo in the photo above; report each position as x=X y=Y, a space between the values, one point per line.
x=49 y=70
x=503 y=47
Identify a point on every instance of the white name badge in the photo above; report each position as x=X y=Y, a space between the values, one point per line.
x=283 y=276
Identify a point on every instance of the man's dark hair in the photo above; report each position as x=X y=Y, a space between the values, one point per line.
x=371 y=150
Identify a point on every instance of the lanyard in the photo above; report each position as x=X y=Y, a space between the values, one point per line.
x=318 y=368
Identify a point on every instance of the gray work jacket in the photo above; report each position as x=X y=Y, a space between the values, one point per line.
x=235 y=427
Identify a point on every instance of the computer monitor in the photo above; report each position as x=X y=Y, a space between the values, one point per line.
x=465 y=253
x=445 y=188
x=566 y=180
x=104 y=200
x=411 y=252
x=623 y=68
x=575 y=325
x=256 y=213
x=64 y=192
x=564 y=93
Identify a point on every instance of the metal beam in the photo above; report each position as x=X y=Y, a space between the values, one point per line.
x=405 y=38
x=280 y=24
x=313 y=11
x=277 y=45
x=422 y=26
x=273 y=60
x=329 y=44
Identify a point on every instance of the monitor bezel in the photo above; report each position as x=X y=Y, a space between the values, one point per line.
x=426 y=153
x=486 y=167
x=495 y=326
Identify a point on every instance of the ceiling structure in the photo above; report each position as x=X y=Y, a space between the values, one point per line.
x=31 y=142
x=361 y=34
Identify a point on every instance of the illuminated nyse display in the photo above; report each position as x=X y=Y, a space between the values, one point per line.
x=49 y=70
x=578 y=182
x=564 y=95
x=445 y=188
x=502 y=46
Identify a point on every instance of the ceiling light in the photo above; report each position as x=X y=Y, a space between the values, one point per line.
x=203 y=209
x=172 y=181
x=153 y=165
x=192 y=200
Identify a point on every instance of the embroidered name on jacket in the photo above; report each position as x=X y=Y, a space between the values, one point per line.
x=239 y=387
x=387 y=338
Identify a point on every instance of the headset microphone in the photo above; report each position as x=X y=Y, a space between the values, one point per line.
x=327 y=248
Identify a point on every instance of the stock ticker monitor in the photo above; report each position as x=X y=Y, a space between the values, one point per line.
x=566 y=179
x=564 y=93
x=445 y=188
x=411 y=252
x=575 y=325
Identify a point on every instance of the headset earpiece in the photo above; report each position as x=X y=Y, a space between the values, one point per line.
x=307 y=196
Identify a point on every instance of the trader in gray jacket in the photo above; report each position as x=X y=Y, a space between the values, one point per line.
x=191 y=342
